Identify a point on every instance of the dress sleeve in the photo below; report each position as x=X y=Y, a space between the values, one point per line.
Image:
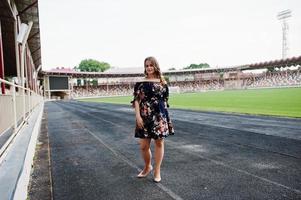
x=166 y=94
x=136 y=94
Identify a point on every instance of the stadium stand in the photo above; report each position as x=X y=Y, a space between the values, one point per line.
x=286 y=78
x=102 y=90
x=122 y=83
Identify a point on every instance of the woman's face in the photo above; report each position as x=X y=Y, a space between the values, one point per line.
x=149 y=68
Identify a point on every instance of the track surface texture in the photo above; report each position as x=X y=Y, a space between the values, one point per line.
x=94 y=155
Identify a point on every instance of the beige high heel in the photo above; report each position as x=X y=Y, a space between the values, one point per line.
x=141 y=175
x=157 y=180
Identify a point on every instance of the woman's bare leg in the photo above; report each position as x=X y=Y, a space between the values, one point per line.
x=159 y=153
x=146 y=155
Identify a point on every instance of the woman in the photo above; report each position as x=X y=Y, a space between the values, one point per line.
x=152 y=119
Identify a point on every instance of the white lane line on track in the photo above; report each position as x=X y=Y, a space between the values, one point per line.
x=177 y=146
x=200 y=117
x=233 y=168
x=257 y=131
x=220 y=141
x=126 y=160
x=217 y=162
x=241 y=145
x=130 y=163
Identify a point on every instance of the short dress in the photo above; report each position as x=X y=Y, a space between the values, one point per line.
x=153 y=103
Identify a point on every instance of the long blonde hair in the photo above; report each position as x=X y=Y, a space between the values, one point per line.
x=157 y=73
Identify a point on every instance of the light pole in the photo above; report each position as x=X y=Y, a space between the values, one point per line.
x=283 y=16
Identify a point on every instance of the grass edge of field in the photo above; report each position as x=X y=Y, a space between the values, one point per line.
x=191 y=108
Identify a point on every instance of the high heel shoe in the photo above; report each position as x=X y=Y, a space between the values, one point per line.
x=157 y=180
x=141 y=175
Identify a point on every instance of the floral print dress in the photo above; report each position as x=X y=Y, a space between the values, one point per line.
x=153 y=98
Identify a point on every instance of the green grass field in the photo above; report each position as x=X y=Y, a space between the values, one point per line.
x=278 y=102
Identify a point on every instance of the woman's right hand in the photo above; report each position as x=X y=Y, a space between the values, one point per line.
x=139 y=122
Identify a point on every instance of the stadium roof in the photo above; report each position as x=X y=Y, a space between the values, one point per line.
x=27 y=10
x=277 y=63
x=134 y=72
x=78 y=74
x=206 y=70
x=61 y=70
x=129 y=70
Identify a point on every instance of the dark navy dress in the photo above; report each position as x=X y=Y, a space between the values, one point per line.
x=153 y=102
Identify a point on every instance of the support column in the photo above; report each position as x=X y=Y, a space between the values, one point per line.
x=18 y=51
x=1 y=62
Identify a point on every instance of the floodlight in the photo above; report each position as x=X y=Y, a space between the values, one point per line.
x=22 y=33
x=284 y=14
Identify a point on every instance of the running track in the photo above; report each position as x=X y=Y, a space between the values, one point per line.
x=212 y=155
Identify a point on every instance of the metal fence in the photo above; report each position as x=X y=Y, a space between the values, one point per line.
x=15 y=108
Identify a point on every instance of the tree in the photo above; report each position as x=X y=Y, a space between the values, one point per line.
x=90 y=65
x=171 y=69
x=197 y=66
x=271 y=69
x=166 y=79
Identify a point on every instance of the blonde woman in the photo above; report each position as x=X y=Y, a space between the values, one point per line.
x=152 y=119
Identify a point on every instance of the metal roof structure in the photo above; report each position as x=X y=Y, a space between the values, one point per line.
x=28 y=10
x=134 y=72
x=10 y=11
x=277 y=63
x=128 y=70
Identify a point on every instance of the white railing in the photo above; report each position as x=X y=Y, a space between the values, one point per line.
x=15 y=108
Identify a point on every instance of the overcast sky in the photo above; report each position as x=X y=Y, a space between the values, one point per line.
x=177 y=32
